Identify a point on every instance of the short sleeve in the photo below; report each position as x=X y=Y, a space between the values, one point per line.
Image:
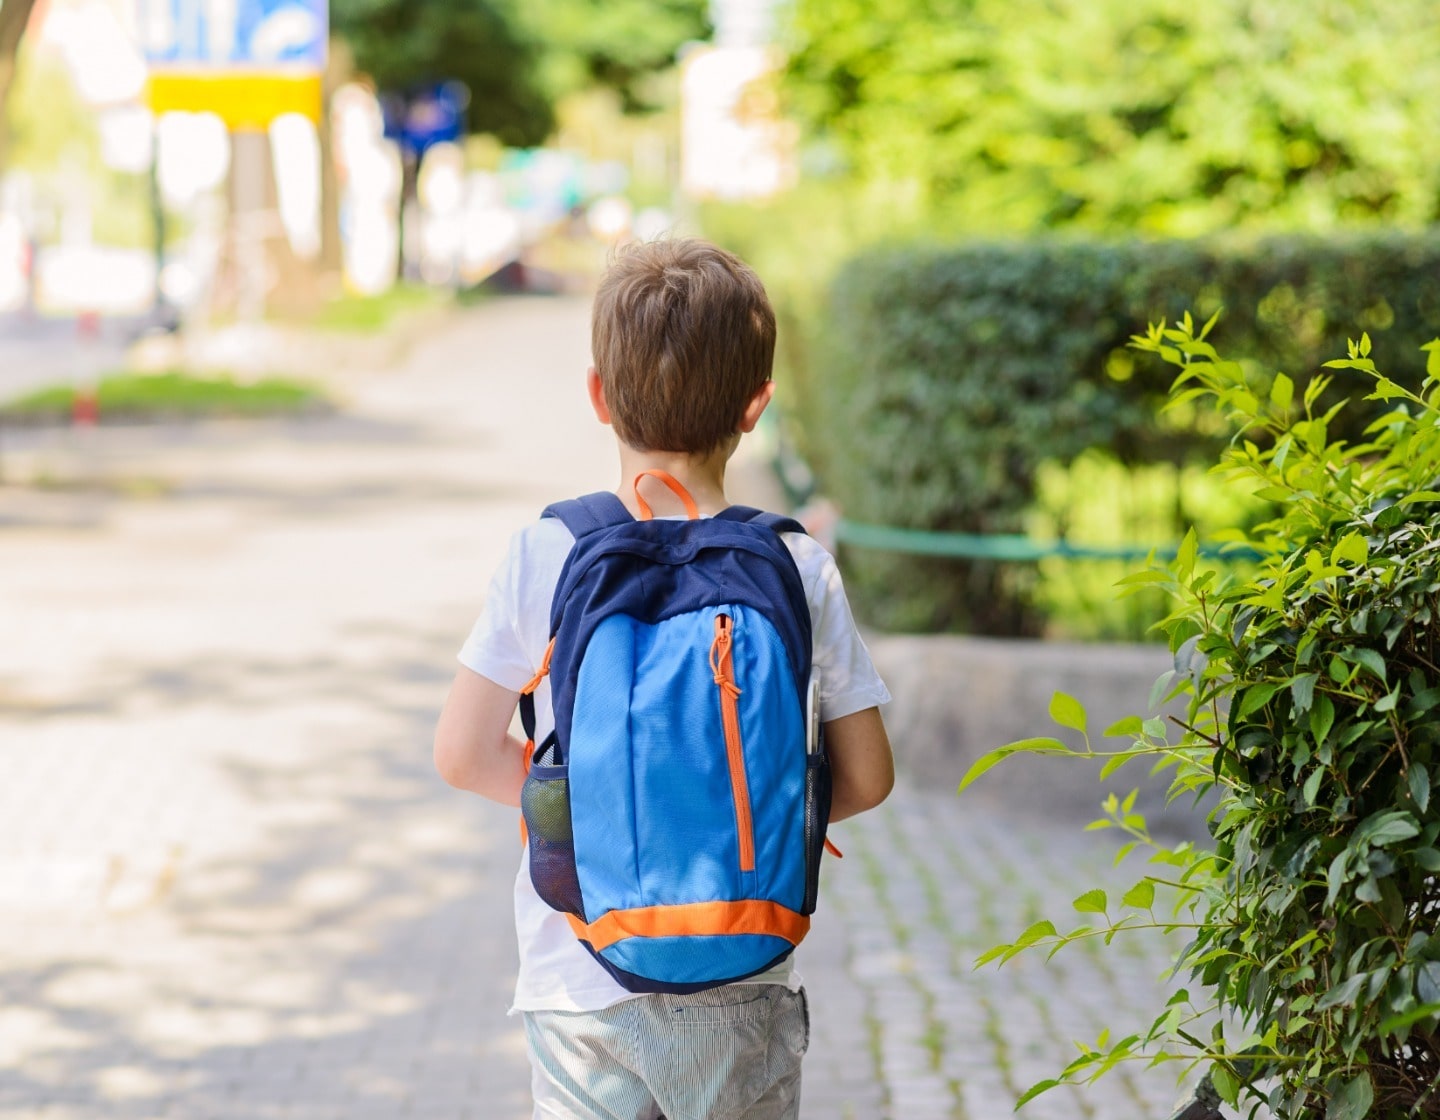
x=494 y=648
x=508 y=640
x=849 y=682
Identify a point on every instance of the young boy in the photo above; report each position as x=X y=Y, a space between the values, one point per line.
x=683 y=341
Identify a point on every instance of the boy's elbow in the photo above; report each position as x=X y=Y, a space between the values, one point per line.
x=871 y=790
x=451 y=758
x=881 y=788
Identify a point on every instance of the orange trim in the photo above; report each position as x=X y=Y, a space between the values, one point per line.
x=695 y=919
x=722 y=664
x=833 y=850
x=537 y=678
x=524 y=834
x=692 y=511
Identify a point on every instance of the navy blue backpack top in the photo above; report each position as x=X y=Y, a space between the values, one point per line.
x=676 y=815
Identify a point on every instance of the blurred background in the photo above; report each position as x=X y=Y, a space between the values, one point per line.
x=293 y=315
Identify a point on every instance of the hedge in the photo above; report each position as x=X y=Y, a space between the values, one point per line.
x=937 y=379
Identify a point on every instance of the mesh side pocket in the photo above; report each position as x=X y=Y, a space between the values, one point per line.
x=817 y=819
x=545 y=804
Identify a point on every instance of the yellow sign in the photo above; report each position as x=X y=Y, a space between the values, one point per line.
x=245 y=102
x=247 y=61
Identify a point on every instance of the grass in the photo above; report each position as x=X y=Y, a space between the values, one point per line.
x=174 y=394
x=358 y=314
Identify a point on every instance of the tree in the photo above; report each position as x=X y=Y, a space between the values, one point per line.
x=405 y=45
x=410 y=47
x=1163 y=116
x=14 y=16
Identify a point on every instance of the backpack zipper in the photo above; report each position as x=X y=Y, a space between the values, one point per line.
x=722 y=663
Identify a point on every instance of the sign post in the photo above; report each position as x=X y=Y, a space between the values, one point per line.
x=249 y=62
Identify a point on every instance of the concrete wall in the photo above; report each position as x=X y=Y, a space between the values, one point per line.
x=955 y=698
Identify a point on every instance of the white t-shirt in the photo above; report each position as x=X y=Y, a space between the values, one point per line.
x=506 y=646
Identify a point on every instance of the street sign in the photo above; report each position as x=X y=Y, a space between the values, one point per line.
x=248 y=61
x=424 y=117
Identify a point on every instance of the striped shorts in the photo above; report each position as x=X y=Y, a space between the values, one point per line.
x=731 y=1053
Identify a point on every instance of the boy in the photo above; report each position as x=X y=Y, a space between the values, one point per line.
x=683 y=341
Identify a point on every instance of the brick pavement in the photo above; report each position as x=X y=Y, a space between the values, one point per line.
x=230 y=885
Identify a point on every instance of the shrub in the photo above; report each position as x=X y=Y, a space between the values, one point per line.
x=1313 y=693
x=941 y=378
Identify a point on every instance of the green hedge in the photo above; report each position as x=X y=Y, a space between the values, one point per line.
x=937 y=379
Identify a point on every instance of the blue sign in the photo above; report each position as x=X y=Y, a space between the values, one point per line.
x=419 y=120
x=246 y=35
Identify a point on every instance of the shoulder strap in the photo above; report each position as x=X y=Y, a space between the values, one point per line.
x=752 y=516
x=590 y=513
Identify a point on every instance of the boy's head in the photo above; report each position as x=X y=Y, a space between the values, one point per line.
x=683 y=338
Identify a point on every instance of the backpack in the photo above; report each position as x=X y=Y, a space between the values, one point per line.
x=676 y=815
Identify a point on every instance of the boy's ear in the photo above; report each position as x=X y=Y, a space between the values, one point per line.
x=596 y=389
x=756 y=408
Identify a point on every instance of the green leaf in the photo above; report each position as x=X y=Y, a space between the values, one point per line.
x=1185 y=558
x=1427 y=982
x=1225 y=1082
x=1368 y=658
x=1068 y=712
x=1421 y=495
x=1141 y=895
x=1428 y=858
x=1128 y=728
x=1342 y=995
x=1312 y=786
x=1352 y=548
x=1322 y=719
x=1092 y=902
x=1388 y=828
x=1282 y=391
x=1037 y=931
x=1034 y=1091
x=1354 y=1098
x=1021 y=746
x=1256 y=695
x=1420 y=786
x=1408 y=1018
x=1302 y=690
x=1150 y=575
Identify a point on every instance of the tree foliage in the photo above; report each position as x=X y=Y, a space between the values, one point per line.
x=616 y=44
x=405 y=44
x=1160 y=116
x=956 y=371
x=14 y=16
x=518 y=58
x=1313 y=688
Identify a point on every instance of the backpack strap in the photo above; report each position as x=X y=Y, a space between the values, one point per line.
x=589 y=513
x=752 y=516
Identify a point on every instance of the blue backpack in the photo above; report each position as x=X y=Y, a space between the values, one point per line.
x=676 y=815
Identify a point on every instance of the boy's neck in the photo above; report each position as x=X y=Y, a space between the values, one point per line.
x=703 y=477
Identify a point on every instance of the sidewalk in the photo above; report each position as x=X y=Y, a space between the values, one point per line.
x=231 y=885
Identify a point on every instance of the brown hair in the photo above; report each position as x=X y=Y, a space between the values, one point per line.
x=683 y=337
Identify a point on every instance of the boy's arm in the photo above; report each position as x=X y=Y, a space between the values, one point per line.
x=862 y=768
x=474 y=749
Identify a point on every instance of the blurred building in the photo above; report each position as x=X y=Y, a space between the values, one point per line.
x=743 y=23
x=734 y=144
